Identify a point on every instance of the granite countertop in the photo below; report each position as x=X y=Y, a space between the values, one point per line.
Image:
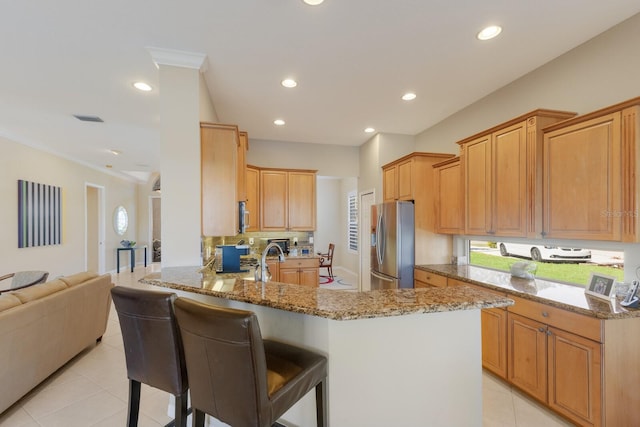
x=331 y=304
x=555 y=294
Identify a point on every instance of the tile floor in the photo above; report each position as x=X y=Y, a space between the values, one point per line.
x=92 y=390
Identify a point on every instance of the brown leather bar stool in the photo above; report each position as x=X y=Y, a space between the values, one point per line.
x=237 y=377
x=152 y=347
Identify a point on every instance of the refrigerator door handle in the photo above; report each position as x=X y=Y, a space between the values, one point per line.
x=386 y=279
x=380 y=243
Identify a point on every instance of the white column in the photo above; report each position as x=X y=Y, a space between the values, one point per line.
x=180 y=155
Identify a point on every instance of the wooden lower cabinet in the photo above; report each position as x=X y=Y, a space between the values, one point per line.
x=494 y=337
x=557 y=367
x=274 y=269
x=303 y=271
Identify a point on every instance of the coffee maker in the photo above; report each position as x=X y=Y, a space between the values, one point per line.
x=228 y=258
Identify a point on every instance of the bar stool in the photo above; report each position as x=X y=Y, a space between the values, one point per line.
x=237 y=377
x=153 y=348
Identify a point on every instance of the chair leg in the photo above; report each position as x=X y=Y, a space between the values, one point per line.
x=321 y=404
x=198 y=418
x=181 y=410
x=134 y=403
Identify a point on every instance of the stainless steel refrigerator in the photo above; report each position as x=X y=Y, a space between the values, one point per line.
x=392 y=245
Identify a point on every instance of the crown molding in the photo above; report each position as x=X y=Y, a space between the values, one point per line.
x=178 y=58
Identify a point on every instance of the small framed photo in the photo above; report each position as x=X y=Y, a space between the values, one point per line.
x=601 y=286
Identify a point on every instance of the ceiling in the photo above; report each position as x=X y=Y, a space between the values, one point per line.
x=353 y=60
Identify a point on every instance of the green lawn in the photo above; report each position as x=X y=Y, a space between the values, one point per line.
x=563 y=272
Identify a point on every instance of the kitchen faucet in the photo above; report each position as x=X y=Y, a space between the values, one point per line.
x=263 y=264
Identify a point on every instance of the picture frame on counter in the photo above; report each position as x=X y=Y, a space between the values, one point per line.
x=601 y=286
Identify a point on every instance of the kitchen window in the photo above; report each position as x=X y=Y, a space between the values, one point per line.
x=560 y=263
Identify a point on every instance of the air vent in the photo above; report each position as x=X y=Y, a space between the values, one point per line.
x=88 y=118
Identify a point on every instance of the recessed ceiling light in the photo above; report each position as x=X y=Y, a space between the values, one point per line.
x=289 y=83
x=115 y=152
x=409 y=96
x=369 y=130
x=489 y=32
x=86 y=118
x=278 y=122
x=313 y=2
x=142 y=86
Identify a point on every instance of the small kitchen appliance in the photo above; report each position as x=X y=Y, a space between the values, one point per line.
x=228 y=258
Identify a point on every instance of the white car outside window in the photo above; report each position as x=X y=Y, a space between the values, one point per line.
x=544 y=252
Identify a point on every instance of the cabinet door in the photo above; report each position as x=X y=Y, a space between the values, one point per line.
x=582 y=180
x=253 y=198
x=575 y=377
x=302 y=201
x=509 y=178
x=477 y=180
x=273 y=200
x=274 y=269
x=243 y=143
x=405 y=189
x=289 y=275
x=527 y=355
x=494 y=335
x=309 y=277
x=389 y=184
x=448 y=184
x=218 y=152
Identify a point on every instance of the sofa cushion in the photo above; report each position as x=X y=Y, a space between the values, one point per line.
x=78 y=278
x=38 y=291
x=8 y=301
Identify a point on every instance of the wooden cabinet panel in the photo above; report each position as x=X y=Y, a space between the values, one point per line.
x=310 y=277
x=574 y=377
x=477 y=182
x=218 y=157
x=389 y=184
x=253 y=198
x=405 y=181
x=302 y=201
x=289 y=275
x=582 y=179
x=273 y=200
x=243 y=145
x=449 y=194
x=527 y=355
x=274 y=269
x=494 y=337
x=300 y=271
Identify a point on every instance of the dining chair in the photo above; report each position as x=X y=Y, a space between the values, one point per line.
x=239 y=378
x=153 y=348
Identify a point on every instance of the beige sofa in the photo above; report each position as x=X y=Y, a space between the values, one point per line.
x=45 y=325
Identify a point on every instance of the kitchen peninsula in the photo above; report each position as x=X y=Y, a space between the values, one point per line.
x=408 y=357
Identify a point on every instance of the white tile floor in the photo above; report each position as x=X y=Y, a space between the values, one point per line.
x=92 y=390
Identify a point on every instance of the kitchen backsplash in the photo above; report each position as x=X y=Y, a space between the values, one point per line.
x=304 y=238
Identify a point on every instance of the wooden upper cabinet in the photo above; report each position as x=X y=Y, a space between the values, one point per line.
x=591 y=176
x=390 y=184
x=218 y=162
x=502 y=176
x=448 y=189
x=287 y=200
x=253 y=198
x=243 y=146
x=302 y=200
x=405 y=180
x=273 y=200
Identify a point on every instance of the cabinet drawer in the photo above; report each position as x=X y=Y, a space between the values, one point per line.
x=430 y=278
x=588 y=327
x=300 y=263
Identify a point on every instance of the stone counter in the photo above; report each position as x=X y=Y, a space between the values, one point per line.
x=330 y=304
x=565 y=296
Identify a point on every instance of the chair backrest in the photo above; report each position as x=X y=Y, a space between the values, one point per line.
x=330 y=253
x=226 y=362
x=152 y=343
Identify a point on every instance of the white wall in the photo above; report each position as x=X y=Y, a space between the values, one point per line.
x=22 y=162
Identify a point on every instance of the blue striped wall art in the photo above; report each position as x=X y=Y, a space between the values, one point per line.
x=39 y=214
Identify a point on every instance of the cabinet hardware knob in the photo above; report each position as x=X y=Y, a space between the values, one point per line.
x=540 y=329
x=549 y=333
x=542 y=233
x=545 y=314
